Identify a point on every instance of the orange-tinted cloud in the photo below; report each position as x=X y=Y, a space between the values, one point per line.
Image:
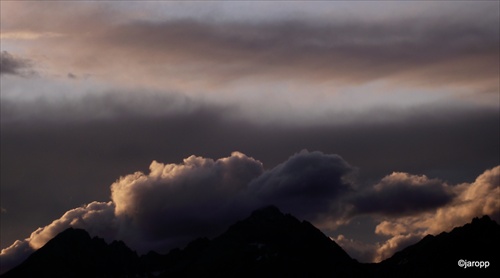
x=472 y=200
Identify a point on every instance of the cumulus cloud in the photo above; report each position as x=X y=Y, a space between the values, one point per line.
x=97 y=218
x=178 y=202
x=403 y=194
x=14 y=65
x=308 y=185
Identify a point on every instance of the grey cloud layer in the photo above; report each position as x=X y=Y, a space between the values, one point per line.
x=434 y=51
x=423 y=53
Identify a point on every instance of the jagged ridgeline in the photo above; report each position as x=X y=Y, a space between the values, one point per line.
x=266 y=244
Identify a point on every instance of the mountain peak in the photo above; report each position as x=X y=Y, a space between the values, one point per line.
x=270 y=243
x=269 y=212
x=73 y=234
x=73 y=253
x=484 y=220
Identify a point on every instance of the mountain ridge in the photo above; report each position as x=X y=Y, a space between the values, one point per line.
x=476 y=241
x=268 y=243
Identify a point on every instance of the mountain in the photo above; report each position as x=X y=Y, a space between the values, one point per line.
x=73 y=253
x=266 y=244
x=270 y=244
x=478 y=241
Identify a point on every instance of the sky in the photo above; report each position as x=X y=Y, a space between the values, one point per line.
x=157 y=122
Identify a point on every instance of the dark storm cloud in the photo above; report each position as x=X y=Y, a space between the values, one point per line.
x=403 y=194
x=15 y=65
x=305 y=185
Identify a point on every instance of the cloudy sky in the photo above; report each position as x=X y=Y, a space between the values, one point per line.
x=158 y=122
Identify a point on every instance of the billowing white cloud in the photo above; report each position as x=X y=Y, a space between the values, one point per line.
x=178 y=202
x=97 y=218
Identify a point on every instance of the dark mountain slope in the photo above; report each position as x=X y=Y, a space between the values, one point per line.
x=271 y=244
x=476 y=241
x=266 y=244
x=73 y=253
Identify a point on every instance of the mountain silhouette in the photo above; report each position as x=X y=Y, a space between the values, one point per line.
x=478 y=241
x=269 y=244
x=266 y=244
x=73 y=253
